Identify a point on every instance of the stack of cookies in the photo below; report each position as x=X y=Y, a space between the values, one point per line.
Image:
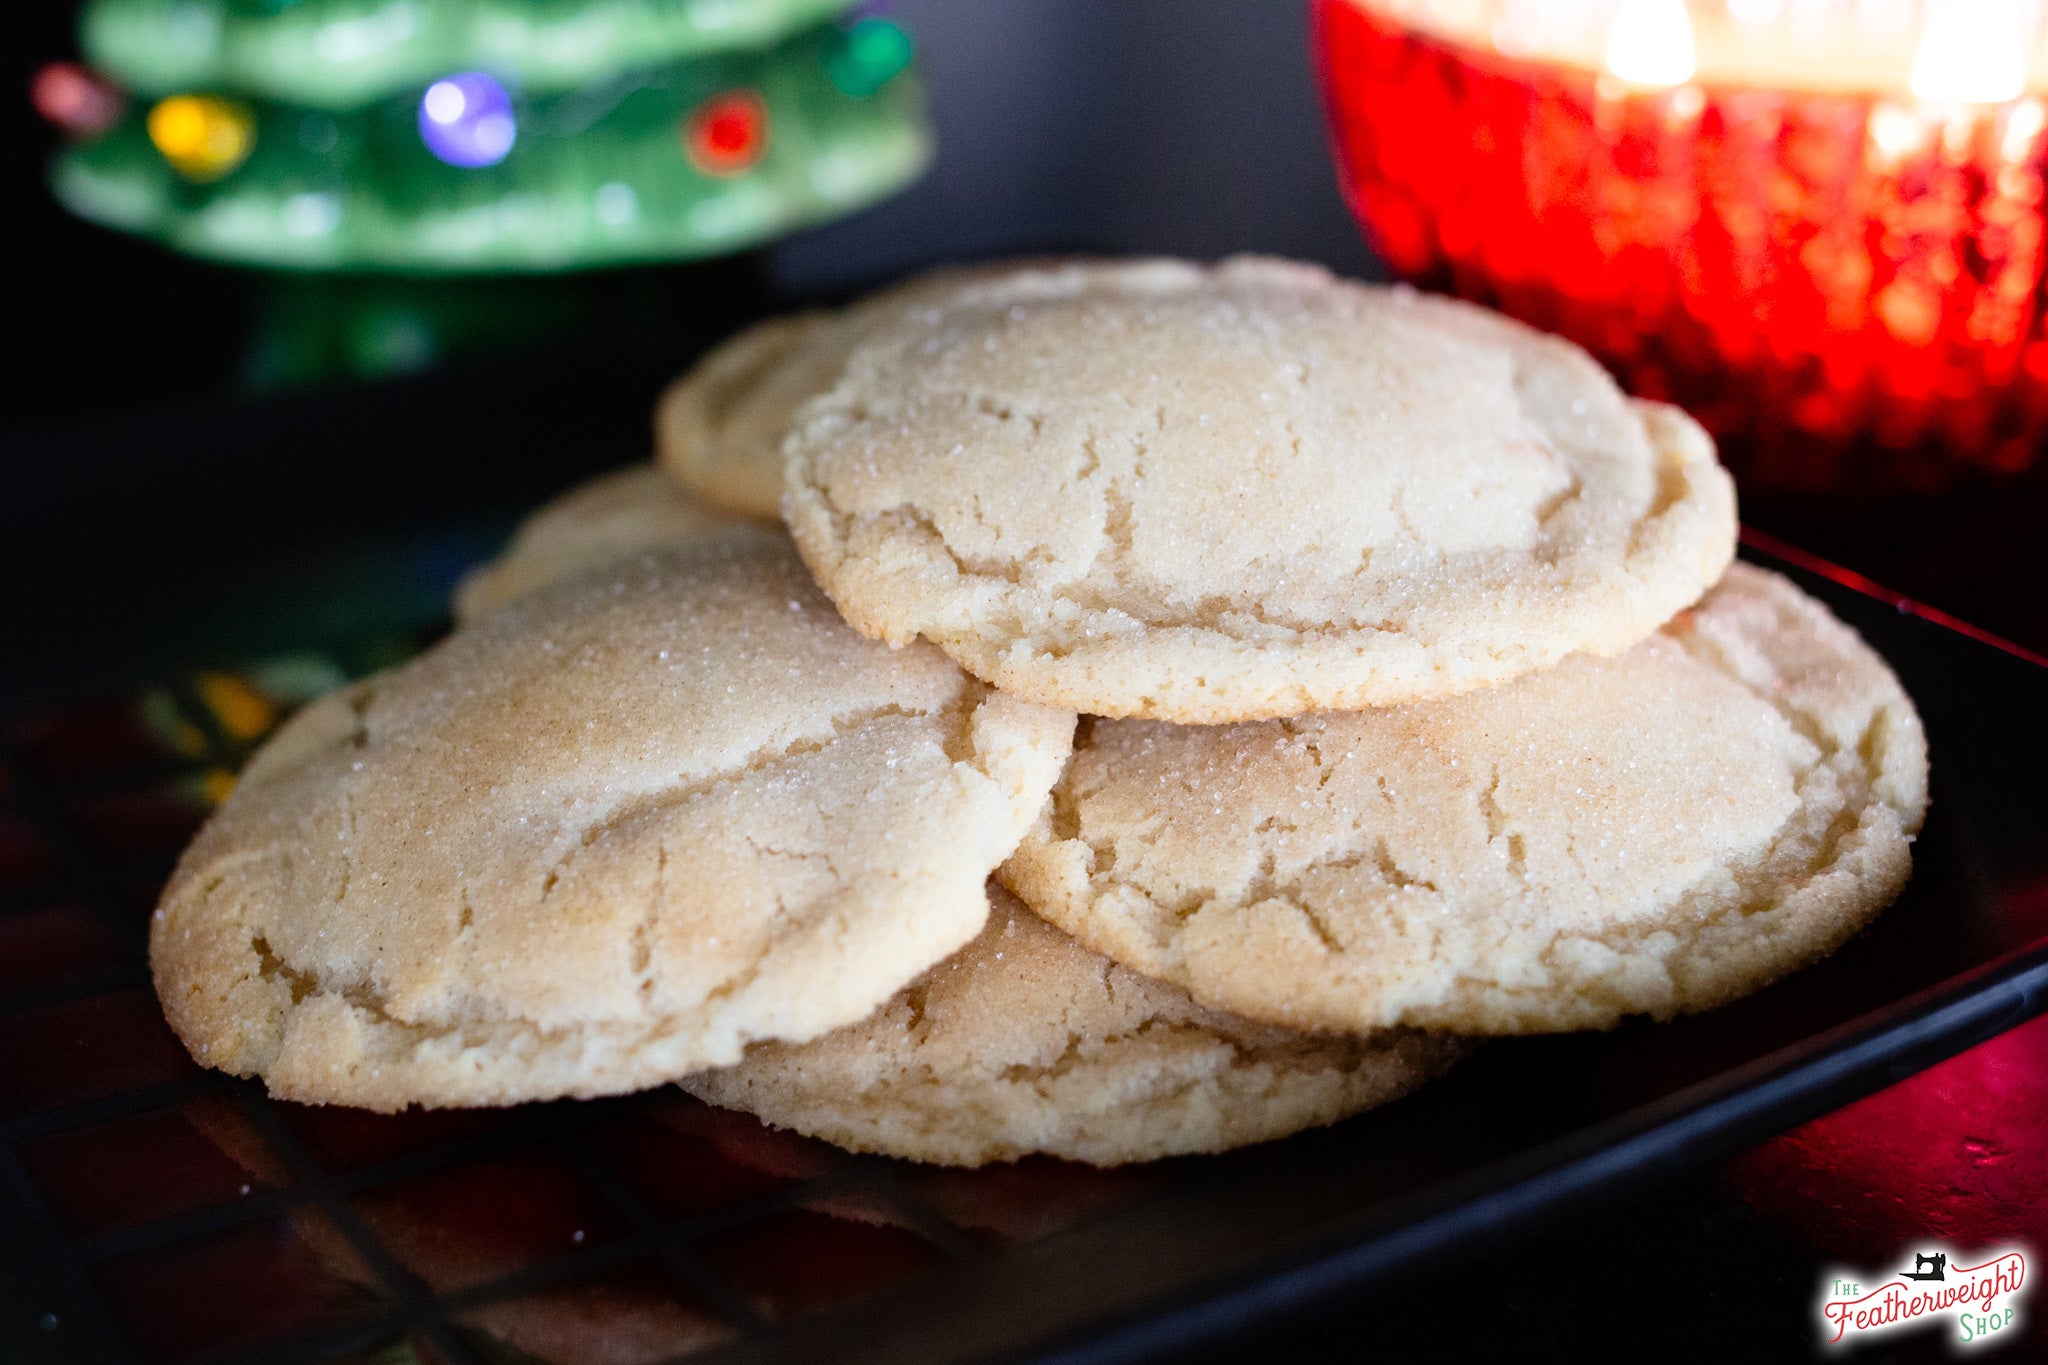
x=1110 y=709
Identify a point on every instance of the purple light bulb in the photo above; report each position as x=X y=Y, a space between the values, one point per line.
x=466 y=120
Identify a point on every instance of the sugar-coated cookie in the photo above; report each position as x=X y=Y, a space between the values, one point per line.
x=720 y=427
x=594 y=524
x=1024 y=1041
x=1158 y=489
x=610 y=834
x=1655 y=833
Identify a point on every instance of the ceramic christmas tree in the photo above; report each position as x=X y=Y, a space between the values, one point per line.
x=466 y=136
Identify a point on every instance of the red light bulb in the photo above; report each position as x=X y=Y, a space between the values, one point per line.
x=727 y=133
x=74 y=99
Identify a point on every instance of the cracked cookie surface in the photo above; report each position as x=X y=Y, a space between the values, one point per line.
x=611 y=834
x=1212 y=494
x=1656 y=833
x=597 y=522
x=1024 y=1041
x=720 y=427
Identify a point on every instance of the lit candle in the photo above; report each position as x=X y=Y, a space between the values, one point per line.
x=1816 y=223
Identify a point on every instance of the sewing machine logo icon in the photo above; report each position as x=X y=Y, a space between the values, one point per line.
x=1927 y=1267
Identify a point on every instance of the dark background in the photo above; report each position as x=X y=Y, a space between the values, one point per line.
x=143 y=479
x=150 y=504
x=1149 y=125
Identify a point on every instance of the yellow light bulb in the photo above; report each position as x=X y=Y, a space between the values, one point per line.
x=202 y=137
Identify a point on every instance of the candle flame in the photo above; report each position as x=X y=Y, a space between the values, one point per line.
x=1972 y=52
x=1651 y=43
x=1757 y=13
x=1897 y=132
x=2022 y=126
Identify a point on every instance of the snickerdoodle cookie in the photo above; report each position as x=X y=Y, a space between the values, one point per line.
x=596 y=523
x=1158 y=489
x=610 y=834
x=1025 y=1041
x=719 y=429
x=1655 y=833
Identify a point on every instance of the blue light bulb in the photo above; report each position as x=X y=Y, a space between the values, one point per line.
x=466 y=120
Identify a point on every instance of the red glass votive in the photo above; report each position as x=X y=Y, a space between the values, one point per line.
x=1846 y=284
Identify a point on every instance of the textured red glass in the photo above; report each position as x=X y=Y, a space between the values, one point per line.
x=232 y=1289
x=623 y=1315
x=83 y=1049
x=1849 y=283
x=54 y=943
x=680 y=1174
x=1021 y=1201
x=462 y=1226
x=95 y=1178
x=343 y=1139
x=800 y=1259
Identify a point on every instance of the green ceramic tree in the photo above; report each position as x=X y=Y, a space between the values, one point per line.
x=463 y=136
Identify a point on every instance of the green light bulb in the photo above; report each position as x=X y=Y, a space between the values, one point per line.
x=868 y=55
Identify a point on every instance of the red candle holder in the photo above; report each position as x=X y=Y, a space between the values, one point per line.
x=1841 y=277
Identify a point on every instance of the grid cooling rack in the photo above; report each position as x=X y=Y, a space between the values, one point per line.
x=177 y=1214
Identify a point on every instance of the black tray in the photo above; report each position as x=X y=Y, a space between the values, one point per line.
x=1179 y=1254
x=1530 y=1123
